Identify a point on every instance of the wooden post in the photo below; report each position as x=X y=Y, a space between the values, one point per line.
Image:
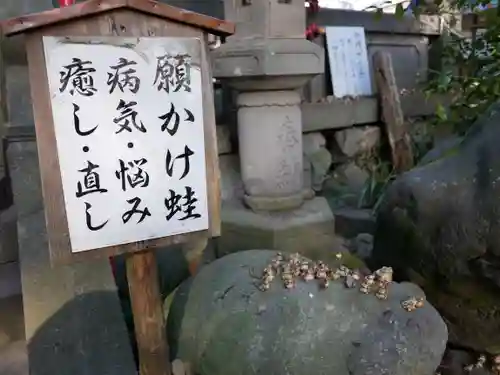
x=392 y=114
x=147 y=308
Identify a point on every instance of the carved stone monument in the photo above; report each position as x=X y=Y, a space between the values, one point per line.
x=268 y=61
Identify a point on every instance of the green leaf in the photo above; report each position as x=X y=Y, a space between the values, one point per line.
x=441 y=112
x=363 y=196
x=373 y=186
x=399 y=10
x=416 y=12
x=378 y=14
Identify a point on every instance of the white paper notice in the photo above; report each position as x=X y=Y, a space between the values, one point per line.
x=128 y=121
x=348 y=60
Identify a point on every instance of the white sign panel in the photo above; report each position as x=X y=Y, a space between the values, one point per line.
x=348 y=59
x=128 y=121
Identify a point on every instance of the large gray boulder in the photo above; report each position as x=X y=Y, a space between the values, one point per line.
x=221 y=324
x=441 y=149
x=439 y=226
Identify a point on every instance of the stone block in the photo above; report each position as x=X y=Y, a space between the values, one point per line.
x=213 y=8
x=317 y=160
x=358 y=140
x=14 y=8
x=18 y=95
x=309 y=230
x=313 y=142
x=26 y=185
x=73 y=319
x=266 y=19
x=231 y=182
x=287 y=64
x=351 y=176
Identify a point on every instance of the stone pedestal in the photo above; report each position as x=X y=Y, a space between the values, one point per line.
x=268 y=61
x=308 y=230
x=270 y=139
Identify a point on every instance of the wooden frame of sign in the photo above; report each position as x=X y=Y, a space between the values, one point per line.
x=125 y=18
x=122 y=23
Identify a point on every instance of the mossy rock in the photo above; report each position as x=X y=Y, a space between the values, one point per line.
x=352 y=261
x=470 y=306
x=471 y=311
x=222 y=324
x=349 y=260
x=439 y=226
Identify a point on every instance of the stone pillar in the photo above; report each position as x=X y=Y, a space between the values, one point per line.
x=270 y=139
x=268 y=61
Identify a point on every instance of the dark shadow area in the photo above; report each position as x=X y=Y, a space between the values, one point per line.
x=6 y=195
x=180 y=300
x=80 y=340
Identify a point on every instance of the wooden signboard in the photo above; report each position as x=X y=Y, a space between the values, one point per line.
x=124 y=115
x=79 y=106
x=348 y=61
x=128 y=124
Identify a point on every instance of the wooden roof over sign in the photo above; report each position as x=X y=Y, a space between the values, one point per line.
x=31 y=22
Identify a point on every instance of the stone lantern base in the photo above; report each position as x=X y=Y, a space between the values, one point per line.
x=268 y=62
